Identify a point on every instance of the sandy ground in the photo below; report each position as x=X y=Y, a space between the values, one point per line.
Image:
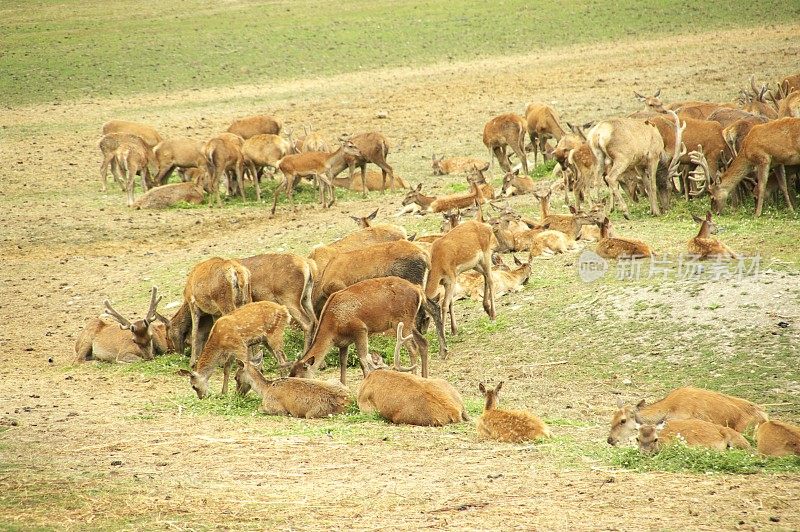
x=65 y=247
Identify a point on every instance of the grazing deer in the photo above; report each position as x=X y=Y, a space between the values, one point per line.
x=776 y=438
x=133 y=159
x=685 y=403
x=214 y=287
x=502 y=131
x=456 y=165
x=223 y=154
x=130 y=342
x=303 y=398
x=704 y=246
x=371 y=306
x=693 y=432
x=148 y=134
x=513 y=426
x=470 y=284
x=542 y=124
x=250 y=126
x=468 y=246
x=109 y=144
x=311 y=141
x=774 y=143
x=232 y=335
x=177 y=152
x=403 y=398
x=264 y=150
x=617 y=247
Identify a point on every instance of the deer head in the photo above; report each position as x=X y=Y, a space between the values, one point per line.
x=364 y=221
x=651 y=103
x=623 y=422
x=140 y=329
x=647 y=434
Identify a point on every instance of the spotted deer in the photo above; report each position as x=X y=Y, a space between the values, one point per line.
x=514 y=426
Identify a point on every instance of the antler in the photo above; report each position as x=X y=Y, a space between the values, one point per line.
x=123 y=323
x=400 y=340
x=154 y=301
x=701 y=174
x=680 y=147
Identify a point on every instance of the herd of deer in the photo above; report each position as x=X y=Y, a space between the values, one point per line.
x=378 y=280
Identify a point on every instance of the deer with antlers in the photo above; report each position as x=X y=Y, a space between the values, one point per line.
x=130 y=342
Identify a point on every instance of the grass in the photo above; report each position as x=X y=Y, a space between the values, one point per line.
x=65 y=50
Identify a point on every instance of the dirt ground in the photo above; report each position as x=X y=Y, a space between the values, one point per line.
x=87 y=446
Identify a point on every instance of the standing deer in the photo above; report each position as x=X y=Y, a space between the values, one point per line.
x=514 y=426
x=223 y=155
x=250 y=126
x=502 y=131
x=109 y=143
x=148 y=134
x=133 y=159
x=542 y=124
x=177 y=152
x=372 y=147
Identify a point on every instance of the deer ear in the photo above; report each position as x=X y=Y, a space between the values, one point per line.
x=620 y=402
x=708 y=215
x=419 y=187
x=373 y=215
x=482 y=388
x=183 y=372
x=310 y=361
x=638 y=422
x=640 y=405
x=517 y=261
x=412 y=237
x=697 y=219
x=657 y=93
x=573 y=210
x=497 y=388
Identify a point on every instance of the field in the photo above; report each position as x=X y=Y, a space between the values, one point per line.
x=130 y=447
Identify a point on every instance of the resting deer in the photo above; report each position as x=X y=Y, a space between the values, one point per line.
x=303 y=398
x=168 y=195
x=323 y=254
x=776 y=438
x=512 y=426
x=704 y=246
x=569 y=224
x=542 y=124
x=231 y=337
x=130 y=342
x=503 y=131
x=618 y=247
x=684 y=403
x=455 y=165
x=516 y=185
x=693 y=432
x=371 y=306
x=431 y=204
x=403 y=398
x=470 y=284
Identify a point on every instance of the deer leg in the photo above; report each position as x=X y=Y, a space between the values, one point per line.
x=418 y=346
x=104 y=170
x=362 y=347
x=543 y=148
x=488 y=285
x=534 y=147
x=364 y=180
x=651 y=188
x=763 y=175
x=612 y=180
x=257 y=182
x=447 y=306
x=276 y=193
x=196 y=347
x=226 y=373
x=522 y=157
x=780 y=174
x=343 y=364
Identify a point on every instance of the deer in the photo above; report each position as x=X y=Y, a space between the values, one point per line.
x=371 y=306
x=685 y=403
x=736 y=132
x=516 y=185
x=507 y=130
x=169 y=195
x=374 y=182
x=223 y=154
x=372 y=147
x=704 y=246
x=692 y=432
x=470 y=284
x=319 y=166
x=618 y=247
x=455 y=165
x=109 y=143
x=755 y=101
x=231 y=338
x=133 y=159
x=432 y=204
x=726 y=116
x=513 y=426
x=776 y=438
x=265 y=150
x=323 y=254
x=311 y=141
x=404 y=398
x=147 y=133
x=286 y=279
x=365 y=222
x=251 y=126
x=214 y=287
x=790 y=84
x=302 y=398
x=467 y=246
x=400 y=258
x=789 y=106
x=774 y=143
x=177 y=152
x=569 y=224
x=633 y=146
x=542 y=123
x=549 y=242
x=129 y=342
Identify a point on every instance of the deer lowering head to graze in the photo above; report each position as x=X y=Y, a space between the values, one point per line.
x=214 y=287
x=122 y=340
x=685 y=403
x=736 y=132
x=231 y=338
x=503 y=131
x=506 y=281
x=403 y=398
x=372 y=306
x=177 y=152
x=264 y=150
x=373 y=148
x=514 y=426
x=705 y=246
x=693 y=432
x=374 y=182
x=109 y=143
x=311 y=141
x=223 y=155
x=303 y=398
x=456 y=165
x=256 y=125
x=774 y=143
x=617 y=247
x=169 y=195
x=542 y=124
x=776 y=438
x=147 y=133
x=286 y=279
x=466 y=247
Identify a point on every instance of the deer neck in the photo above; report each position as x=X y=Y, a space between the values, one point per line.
x=738 y=170
x=491 y=402
x=423 y=201
x=545 y=204
x=604 y=231
x=704 y=230
x=336 y=163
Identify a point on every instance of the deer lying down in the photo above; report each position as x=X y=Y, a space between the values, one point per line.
x=693 y=432
x=776 y=438
x=685 y=403
x=617 y=248
x=232 y=335
x=512 y=426
x=456 y=165
x=704 y=245
x=401 y=397
x=470 y=284
x=169 y=195
x=306 y=398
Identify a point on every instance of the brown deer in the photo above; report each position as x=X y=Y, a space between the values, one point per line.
x=214 y=287
x=470 y=284
x=542 y=124
x=109 y=143
x=776 y=438
x=129 y=342
x=147 y=133
x=169 y=195
x=133 y=159
x=374 y=182
x=503 y=131
x=365 y=222
x=372 y=306
x=250 y=126
x=303 y=398
x=790 y=84
x=311 y=141
x=231 y=337
x=618 y=247
x=223 y=155
x=372 y=147
x=569 y=224
x=513 y=426
x=455 y=165
x=323 y=254
x=177 y=152
x=403 y=398
x=432 y=204
x=264 y=150
x=516 y=185
x=692 y=432
x=685 y=403
x=704 y=246
x=736 y=132
x=468 y=246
